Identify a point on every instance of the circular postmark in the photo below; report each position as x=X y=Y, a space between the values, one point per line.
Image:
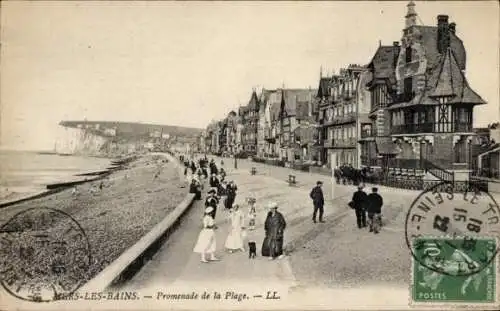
x=44 y=255
x=453 y=233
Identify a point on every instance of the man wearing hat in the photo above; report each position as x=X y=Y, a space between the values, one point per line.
x=318 y=201
x=214 y=181
x=274 y=226
x=359 y=204
x=213 y=167
x=212 y=201
x=375 y=204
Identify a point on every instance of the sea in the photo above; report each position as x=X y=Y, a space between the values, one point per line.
x=25 y=173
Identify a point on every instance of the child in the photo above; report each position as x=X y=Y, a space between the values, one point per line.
x=252 y=213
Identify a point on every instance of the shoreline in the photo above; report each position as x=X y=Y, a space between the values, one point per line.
x=68 y=181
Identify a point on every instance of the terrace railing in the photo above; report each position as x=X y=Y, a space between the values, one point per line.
x=438 y=172
x=367 y=161
x=346 y=143
x=429 y=128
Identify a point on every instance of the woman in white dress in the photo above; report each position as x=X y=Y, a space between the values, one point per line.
x=206 y=243
x=234 y=240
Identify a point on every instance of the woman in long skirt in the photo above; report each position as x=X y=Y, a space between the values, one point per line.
x=234 y=240
x=274 y=227
x=206 y=243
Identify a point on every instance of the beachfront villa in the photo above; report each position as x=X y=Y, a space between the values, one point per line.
x=424 y=101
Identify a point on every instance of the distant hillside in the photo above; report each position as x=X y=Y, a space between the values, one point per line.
x=135 y=129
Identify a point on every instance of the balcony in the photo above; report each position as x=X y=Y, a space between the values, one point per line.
x=342 y=119
x=328 y=143
x=412 y=128
x=347 y=118
x=430 y=128
x=344 y=143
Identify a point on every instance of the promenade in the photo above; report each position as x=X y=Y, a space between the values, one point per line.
x=325 y=261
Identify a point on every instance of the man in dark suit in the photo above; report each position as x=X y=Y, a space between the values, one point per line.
x=214 y=181
x=212 y=200
x=375 y=203
x=318 y=201
x=359 y=204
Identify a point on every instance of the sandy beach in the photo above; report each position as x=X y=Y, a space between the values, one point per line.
x=131 y=202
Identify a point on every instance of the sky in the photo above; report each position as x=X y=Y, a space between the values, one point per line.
x=187 y=63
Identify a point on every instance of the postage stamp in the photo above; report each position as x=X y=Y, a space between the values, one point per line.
x=44 y=255
x=450 y=280
x=467 y=216
x=453 y=240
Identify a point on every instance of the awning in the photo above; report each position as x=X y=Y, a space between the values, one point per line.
x=385 y=145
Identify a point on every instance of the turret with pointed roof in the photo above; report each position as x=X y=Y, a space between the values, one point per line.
x=434 y=102
x=450 y=81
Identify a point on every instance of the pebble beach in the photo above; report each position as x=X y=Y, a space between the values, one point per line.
x=131 y=202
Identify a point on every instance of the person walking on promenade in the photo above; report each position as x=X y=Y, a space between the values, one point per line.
x=199 y=172
x=252 y=213
x=193 y=167
x=222 y=192
x=206 y=243
x=234 y=239
x=212 y=201
x=222 y=173
x=214 y=181
x=375 y=204
x=195 y=188
x=274 y=227
x=318 y=201
x=359 y=204
x=205 y=171
x=231 y=195
x=213 y=167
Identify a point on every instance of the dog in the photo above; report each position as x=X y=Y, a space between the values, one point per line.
x=252 y=250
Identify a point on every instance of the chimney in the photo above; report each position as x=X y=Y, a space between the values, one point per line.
x=395 y=53
x=453 y=28
x=443 y=35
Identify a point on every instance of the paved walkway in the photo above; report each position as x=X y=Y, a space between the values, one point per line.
x=176 y=269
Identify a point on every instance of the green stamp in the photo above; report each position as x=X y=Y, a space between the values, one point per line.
x=454 y=270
